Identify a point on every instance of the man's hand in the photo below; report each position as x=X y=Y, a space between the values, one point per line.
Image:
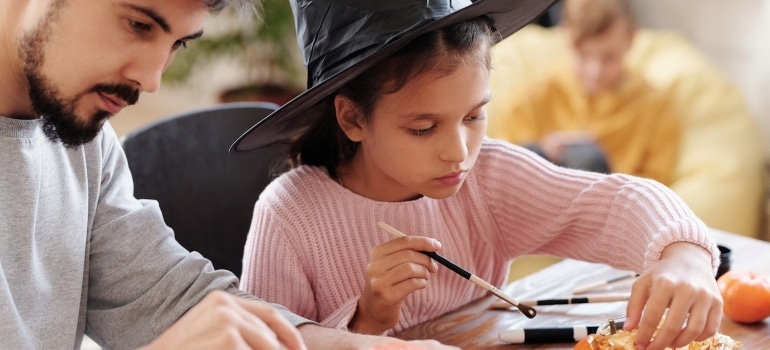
x=224 y=321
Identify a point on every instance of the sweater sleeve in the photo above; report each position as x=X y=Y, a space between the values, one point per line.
x=140 y=280
x=272 y=267
x=620 y=220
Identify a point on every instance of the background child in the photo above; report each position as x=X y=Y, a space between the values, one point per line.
x=397 y=121
x=589 y=110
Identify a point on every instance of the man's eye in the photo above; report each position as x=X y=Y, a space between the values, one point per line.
x=139 y=26
x=178 y=44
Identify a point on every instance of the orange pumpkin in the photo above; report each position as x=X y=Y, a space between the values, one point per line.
x=585 y=343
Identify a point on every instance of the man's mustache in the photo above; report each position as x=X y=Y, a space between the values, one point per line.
x=123 y=91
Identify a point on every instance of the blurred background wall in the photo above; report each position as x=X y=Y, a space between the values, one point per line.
x=733 y=34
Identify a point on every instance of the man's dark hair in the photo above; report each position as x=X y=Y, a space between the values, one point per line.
x=240 y=6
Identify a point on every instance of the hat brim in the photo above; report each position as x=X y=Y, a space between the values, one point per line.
x=302 y=111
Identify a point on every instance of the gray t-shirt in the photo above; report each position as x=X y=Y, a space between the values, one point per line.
x=78 y=253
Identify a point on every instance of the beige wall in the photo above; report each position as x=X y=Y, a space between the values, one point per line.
x=733 y=34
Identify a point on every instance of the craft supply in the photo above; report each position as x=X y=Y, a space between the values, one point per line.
x=725 y=258
x=593 y=298
x=561 y=334
x=591 y=286
x=546 y=335
x=525 y=309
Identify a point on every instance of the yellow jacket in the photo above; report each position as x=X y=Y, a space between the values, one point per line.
x=637 y=126
x=719 y=167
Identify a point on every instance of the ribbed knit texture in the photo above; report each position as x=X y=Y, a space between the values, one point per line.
x=310 y=238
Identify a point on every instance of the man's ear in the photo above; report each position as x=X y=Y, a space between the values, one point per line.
x=349 y=118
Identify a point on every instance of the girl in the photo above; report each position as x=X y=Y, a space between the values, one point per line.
x=402 y=141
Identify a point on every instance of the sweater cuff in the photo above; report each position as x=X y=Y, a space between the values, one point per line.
x=341 y=317
x=690 y=231
x=293 y=318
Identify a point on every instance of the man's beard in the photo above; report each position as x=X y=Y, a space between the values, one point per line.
x=60 y=123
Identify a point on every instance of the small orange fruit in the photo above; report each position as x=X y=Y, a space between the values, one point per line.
x=746 y=295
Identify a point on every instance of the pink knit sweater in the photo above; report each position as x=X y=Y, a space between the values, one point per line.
x=310 y=238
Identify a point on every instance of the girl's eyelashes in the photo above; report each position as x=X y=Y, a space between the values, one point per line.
x=426 y=131
x=421 y=132
x=477 y=114
x=477 y=118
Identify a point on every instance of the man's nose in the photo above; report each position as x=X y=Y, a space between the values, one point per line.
x=146 y=70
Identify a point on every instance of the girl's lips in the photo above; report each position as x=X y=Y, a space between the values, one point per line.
x=112 y=105
x=452 y=179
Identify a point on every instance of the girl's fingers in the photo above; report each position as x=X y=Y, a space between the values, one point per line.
x=702 y=321
x=688 y=312
x=416 y=243
x=383 y=265
x=639 y=295
x=714 y=318
x=398 y=282
x=653 y=310
x=676 y=315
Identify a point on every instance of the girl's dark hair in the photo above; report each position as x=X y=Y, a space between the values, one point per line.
x=441 y=51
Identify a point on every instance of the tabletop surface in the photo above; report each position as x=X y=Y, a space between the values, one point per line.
x=476 y=326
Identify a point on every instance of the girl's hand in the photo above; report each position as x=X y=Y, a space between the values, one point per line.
x=396 y=269
x=682 y=282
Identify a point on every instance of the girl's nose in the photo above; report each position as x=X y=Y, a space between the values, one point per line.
x=454 y=148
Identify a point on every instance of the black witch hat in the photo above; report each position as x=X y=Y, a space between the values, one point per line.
x=341 y=39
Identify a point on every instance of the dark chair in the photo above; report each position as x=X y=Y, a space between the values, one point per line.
x=207 y=195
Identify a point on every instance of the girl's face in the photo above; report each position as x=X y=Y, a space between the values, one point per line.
x=423 y=139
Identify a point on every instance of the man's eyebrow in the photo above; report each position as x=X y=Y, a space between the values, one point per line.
x=155 y=16
x=152 y=14
x=193 y=36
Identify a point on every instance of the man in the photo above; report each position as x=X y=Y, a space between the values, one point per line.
x=589 y=111
x=78 y=253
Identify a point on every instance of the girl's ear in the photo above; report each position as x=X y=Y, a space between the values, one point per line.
x=349 y=118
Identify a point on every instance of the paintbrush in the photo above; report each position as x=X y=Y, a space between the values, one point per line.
x=595 y=298
x=602 y=283
x=525 y=309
